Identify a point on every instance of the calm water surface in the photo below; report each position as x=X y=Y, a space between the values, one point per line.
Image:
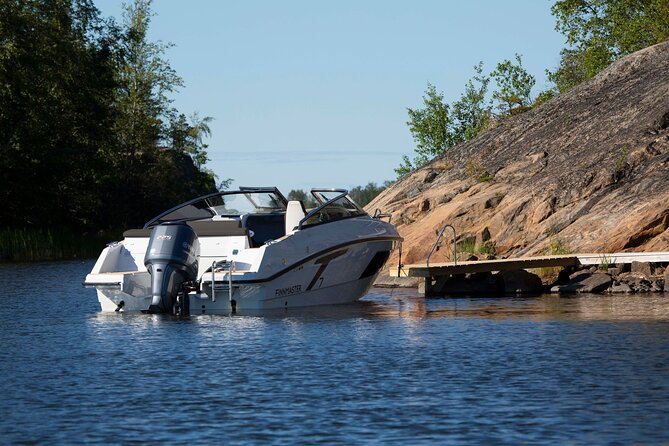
x=394 y=369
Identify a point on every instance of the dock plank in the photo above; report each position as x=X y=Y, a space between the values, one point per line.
x=479 y=266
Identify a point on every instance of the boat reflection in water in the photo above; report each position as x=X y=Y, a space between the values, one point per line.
x=385 y=303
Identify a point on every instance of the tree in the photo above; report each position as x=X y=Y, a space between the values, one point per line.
x=84 y=117
x=146 y=79
x=188 y=137
x=300 y=195
x=160 y=156
x=56 y=86
x=515 y=87
x=405 y=167
x=472 y=112
x=364 y=195
x=429 y=127
x=601 y=31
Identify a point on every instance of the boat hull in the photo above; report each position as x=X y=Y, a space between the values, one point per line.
x=336 y=276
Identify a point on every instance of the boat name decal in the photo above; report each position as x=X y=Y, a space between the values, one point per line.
x=164 y=237
x=288 y=290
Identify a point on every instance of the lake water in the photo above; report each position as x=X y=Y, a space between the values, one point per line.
x=394 y=369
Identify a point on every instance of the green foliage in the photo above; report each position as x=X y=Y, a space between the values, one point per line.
x=544 y=96
x=405 y=168
x=159 y=153
x=557 y=245
x=438 y=126
x=600 y=31
x=145 y=79
x=56 y=89
x=514 y=94
x=85 y=118
x=620 y=165
x=30 y=244
x=471 y=113
x=476 y=172
x=364 y=195
x=361 y=195
x=307 y=199
x=489 y=248
x=467 y=245
x=429 y=127
x=606 y=261
x=187 y=137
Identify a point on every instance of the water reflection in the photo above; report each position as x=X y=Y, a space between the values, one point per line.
x=393 y=369
x=543 y=307
x=406 y=304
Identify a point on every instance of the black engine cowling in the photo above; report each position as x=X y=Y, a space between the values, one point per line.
x=171 y=259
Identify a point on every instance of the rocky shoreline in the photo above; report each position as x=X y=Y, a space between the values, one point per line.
x=637 y=277
x=586 y=172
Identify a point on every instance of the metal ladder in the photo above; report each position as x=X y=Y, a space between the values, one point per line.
x=222 y=266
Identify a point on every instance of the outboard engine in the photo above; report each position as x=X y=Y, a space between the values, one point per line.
x=171 y=259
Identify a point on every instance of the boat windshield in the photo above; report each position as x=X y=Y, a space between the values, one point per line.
x=333 y=205
x=225 y=204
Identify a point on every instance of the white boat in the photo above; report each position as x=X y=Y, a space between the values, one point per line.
x=245 y=249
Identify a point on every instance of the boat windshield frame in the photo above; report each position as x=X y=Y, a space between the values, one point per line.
x=342 y=194
x=210 y=209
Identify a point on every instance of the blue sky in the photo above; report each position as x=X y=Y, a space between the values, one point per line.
x=314 y=94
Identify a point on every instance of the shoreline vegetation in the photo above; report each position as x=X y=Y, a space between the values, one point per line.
x=31 y=244
x=34 y=244
x=91 y=141
x=92 y=144
x=89 y=137
x=597 y=33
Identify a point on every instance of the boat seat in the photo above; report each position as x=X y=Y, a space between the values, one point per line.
x=264 y=227
x=137 y=233
x=203 y=228
x=220 y=228
x=294 y=213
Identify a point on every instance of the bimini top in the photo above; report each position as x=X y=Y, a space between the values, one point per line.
x=332 y=204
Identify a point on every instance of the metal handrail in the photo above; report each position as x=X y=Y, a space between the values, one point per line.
x=222 y=265
x=378 y=215
x=436 y=243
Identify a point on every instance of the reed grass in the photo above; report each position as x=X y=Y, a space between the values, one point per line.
x=37 y=244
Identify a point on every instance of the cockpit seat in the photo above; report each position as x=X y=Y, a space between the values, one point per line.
x=294 y=213
x=263 y=227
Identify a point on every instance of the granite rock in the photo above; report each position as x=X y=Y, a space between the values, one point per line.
x=555 y=167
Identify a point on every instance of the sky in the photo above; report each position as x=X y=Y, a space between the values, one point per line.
x=314 y=94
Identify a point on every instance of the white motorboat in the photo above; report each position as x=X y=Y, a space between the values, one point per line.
x=245 y=249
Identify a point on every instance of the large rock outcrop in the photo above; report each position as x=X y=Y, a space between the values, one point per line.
x=588 y=170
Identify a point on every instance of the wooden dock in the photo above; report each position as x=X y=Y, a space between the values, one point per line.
x=479 y=266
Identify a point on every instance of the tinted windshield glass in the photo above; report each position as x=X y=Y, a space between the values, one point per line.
x=340 y=208
x=195 y=211
x=229 y=204
x=248 y=203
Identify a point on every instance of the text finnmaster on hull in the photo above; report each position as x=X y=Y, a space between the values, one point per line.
x=245 y=249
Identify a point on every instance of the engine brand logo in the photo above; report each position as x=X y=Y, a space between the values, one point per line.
x=288 y=290
x=164 y=237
